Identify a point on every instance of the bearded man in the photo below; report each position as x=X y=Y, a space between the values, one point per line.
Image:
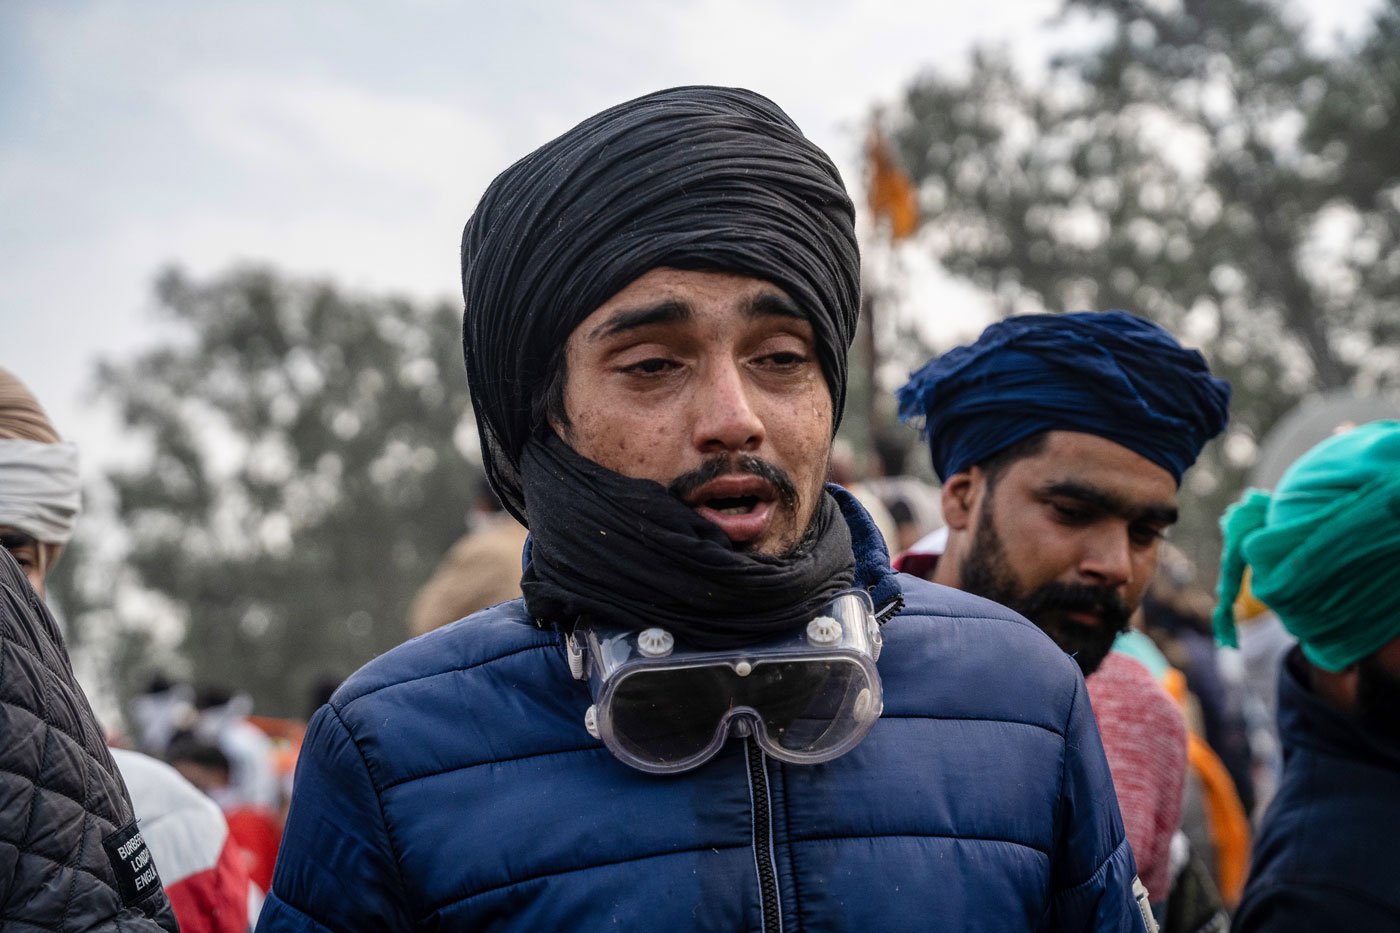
x=1323 y=551
x=678 y=727
x=1061 y=441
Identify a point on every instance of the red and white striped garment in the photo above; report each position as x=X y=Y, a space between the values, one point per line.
x=202 y=868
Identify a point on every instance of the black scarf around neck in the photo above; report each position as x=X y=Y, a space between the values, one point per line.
x=628 y=552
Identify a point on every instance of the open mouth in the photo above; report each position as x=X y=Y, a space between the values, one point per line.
x=741 y=505
x=732 y=505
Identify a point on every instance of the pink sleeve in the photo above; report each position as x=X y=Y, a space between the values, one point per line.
x=1144 y=739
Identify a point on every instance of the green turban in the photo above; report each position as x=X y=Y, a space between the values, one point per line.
x=1324 y=548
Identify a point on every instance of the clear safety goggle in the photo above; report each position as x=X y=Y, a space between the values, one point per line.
x=662 y=707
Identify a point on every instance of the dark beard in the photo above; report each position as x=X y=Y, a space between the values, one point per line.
x=986 y=572
x=1378 y=697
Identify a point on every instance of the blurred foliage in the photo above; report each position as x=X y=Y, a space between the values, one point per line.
x=1199 y=163
x=299 y=478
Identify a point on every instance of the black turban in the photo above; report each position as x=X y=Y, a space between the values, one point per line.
x=698 y=178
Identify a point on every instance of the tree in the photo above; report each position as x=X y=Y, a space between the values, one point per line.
x=300 y=474
x=1199 y=164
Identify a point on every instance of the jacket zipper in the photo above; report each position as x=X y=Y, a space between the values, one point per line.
x=887 y=611
x=763 y=837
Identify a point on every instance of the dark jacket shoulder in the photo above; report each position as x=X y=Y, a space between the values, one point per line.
x=1326 y=854
x=1004 y=663
x=69 y=842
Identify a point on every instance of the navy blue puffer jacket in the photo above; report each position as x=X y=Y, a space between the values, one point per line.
x=1326 y=855
x=451 y=785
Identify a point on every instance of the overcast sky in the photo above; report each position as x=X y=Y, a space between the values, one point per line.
x=352 y=139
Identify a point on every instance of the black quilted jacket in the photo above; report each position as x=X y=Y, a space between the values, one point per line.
x=71 y=856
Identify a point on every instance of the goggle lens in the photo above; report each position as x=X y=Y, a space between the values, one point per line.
x=806 y=697
x=821 y=710
x=669 y=716
x=802 y=708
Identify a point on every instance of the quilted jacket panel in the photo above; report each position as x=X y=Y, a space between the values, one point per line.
x=60 y=793
x=451 y=785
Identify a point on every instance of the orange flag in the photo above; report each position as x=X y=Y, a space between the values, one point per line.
x=891 y=193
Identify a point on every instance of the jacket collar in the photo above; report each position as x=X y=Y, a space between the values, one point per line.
x=1306 y=721
x=873 y=571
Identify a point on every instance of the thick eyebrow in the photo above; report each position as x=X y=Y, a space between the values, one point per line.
x=773 y=304
x=666 y=312
x=764 y=304
x=1158 y=514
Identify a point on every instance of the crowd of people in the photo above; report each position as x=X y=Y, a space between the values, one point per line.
x=695 y=666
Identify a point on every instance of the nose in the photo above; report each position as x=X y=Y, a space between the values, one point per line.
x=1106 y=558
x=723 y=415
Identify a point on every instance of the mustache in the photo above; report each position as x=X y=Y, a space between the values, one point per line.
x=722 y=465
x=1080 y=597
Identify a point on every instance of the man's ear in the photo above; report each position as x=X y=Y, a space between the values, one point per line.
x=961 y=494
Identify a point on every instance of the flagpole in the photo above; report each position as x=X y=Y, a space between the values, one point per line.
x=868 y=303
x=894 y=210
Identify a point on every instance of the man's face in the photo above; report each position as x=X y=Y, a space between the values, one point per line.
x=1068 y=537
x=710 y=385
x=28 y=553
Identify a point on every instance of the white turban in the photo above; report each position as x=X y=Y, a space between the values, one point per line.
x=39 y=490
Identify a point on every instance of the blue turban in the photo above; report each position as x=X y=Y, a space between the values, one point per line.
x=1105 y=373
